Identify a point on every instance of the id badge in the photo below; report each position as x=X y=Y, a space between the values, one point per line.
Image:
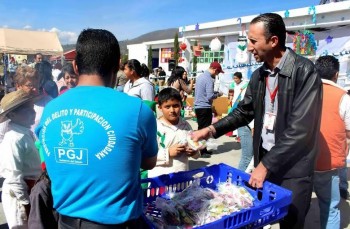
x=269 y=121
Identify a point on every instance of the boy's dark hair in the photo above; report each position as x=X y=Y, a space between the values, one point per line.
x=168 y=93
x=238 y=74
x=98 y=53
x=274 y=26
x=327 y=67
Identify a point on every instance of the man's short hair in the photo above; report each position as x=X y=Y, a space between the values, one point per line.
x=274 y=26
x=327 y=67
x=167 y=94
x=97 y=53
x=38 y=54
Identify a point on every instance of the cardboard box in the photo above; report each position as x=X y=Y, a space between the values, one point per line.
x=220 y=104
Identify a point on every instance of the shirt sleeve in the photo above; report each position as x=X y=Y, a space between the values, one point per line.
x=147 y=93
x=13 y=167
x=344 y=110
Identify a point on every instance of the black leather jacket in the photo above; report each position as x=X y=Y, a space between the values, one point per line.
x=297 y=122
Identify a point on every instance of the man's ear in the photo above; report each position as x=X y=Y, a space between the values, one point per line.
x=75 y=68
x=274 y=40
x=335 y=77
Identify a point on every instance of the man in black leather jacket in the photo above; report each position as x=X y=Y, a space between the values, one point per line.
x=284 y=97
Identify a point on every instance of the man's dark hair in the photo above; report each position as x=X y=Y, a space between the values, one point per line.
x=238 y=74
x=274 y=26
x=327 y=67
x=97 y=53
x=167 y=94
x=37 y=54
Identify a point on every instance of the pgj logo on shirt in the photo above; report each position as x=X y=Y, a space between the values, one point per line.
x=71 y=155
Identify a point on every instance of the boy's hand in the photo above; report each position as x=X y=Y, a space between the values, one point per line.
x=176 y=150
x=190 y=152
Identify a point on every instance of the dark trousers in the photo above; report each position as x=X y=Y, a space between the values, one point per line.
x=301 y=198
x=204 y=119
x=66 y=222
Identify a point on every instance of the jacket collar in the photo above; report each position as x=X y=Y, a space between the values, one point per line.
x=286 y=68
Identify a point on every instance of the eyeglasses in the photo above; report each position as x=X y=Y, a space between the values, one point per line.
x=29 y=85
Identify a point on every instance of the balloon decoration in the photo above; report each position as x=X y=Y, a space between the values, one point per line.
x=286 y=14
x=215 y=45
x=197 y=50
x=197 y=27
x=329 y=39
x=312 y=9
x=304 y=43
x=242 y=55
x=183 y=46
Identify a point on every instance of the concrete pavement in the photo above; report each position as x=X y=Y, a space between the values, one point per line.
x=229 y=152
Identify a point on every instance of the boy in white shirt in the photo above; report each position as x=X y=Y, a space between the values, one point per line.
x=172 y=132
x=19 y=158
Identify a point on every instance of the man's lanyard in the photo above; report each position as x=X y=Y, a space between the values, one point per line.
x=272 y=95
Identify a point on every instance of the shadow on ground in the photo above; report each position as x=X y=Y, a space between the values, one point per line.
x=196 y=164
x=228 y=146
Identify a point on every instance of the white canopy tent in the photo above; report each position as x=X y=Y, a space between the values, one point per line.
x=14 y=41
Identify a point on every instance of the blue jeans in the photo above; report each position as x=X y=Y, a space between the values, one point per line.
x=343 y=178
x=326 y=187
x=247 y=147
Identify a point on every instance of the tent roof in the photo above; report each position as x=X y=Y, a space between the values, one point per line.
x=69 y=55
x=29 y=42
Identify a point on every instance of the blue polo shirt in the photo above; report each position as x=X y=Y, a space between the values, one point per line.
x=94 y=139
x=204 y=91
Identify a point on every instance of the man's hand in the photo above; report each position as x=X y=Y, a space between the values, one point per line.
x=258 y=176
x=201 y=134
x=176 y=150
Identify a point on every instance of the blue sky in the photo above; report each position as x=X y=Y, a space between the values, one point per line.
x=128 y=19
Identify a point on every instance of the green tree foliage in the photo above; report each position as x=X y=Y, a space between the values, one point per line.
x=194 y=61
x=125 y=58
x=149 y=59
x=176 y=49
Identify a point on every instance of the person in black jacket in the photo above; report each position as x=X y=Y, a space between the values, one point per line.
x=284 y=97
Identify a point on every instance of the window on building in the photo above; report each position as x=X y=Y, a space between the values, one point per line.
x=209 y=56
x=166 y=54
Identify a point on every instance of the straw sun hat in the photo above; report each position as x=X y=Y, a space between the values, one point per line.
x=13 y=100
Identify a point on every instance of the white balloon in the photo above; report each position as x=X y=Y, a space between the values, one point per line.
x=215 y=45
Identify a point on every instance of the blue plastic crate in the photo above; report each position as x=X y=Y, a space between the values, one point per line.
x=270 y=205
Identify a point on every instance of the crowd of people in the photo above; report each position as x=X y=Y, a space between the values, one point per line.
x=95 y=131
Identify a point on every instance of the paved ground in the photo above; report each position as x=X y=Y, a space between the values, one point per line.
x=229 y=152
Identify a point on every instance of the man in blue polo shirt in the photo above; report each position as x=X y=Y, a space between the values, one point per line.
x=204 y=96
x=95 y=140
